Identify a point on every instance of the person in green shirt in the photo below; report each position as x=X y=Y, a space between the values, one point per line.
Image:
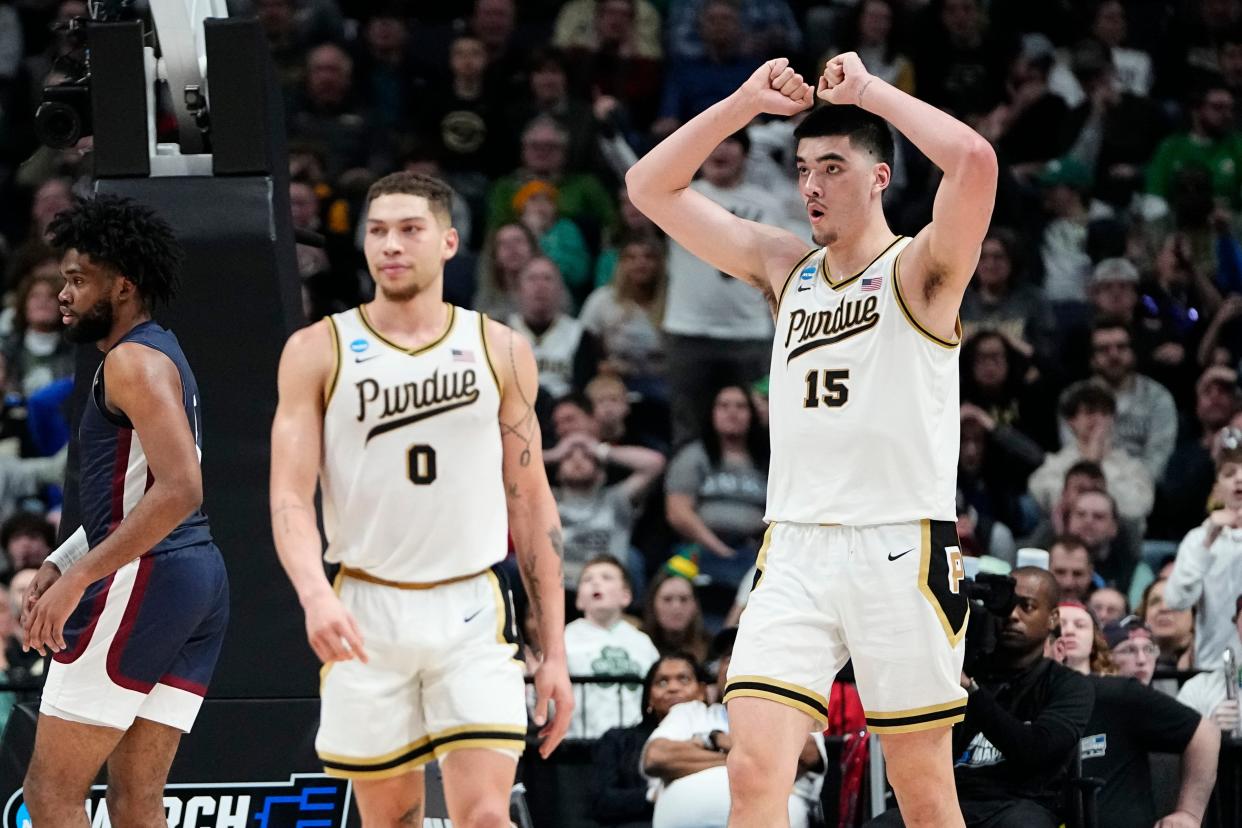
x=1211 y=142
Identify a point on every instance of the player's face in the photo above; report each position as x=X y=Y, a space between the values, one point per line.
x=675 y=607
x=406 y=246
x=601 y=588
x=837 y=183
x=674 y=682
x=1077 y=633
x=1109 y=605
x=86 y=300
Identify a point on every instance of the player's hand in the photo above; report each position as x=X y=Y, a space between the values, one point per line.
x=552 y=684
x=331 y=630
x=1180 y=819
x=776 y=89
x=44 y=628
x=843 y=80
x=1226 y=715
x=47 y=575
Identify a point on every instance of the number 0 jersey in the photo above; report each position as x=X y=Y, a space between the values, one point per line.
x=863 y=402
x=411 y=469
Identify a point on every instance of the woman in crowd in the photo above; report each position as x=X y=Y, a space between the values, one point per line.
x=1173 y=630
x=1081 y=646
x=509 y=250
x=619 y=790
x=35 y=351
x=672 y=618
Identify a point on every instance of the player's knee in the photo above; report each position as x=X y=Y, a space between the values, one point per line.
x=42 y=797
x=128 y=806
x=486 y=816
x=750 y=777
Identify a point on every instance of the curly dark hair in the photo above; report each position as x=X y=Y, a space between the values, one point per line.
x=124 y=235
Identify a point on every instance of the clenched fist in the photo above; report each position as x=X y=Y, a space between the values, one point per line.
x=776 y=89
x=844 y=80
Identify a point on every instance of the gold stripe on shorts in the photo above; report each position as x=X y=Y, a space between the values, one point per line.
x=916 y=718
x=790 y=695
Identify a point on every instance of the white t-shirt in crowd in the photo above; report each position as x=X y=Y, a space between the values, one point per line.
x=592 y=650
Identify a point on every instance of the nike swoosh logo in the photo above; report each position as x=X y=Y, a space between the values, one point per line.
x=367 y=359
x=893 y=557
x=803 y=287
x=471 y=616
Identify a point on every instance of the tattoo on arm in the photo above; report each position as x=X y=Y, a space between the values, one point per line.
x=524 y=428
x=283 y=512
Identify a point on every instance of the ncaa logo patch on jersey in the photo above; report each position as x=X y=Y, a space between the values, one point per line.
x=359 y=345
x=807 y=273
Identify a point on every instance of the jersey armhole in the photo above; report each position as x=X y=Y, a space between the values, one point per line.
x=336 y=362
x=909 y=315
x=789 y=278
x=487 y=354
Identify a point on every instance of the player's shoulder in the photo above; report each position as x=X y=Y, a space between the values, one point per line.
x=313 y=338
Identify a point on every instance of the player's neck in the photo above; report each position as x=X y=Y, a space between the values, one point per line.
x=854 y=251
x=605 y=619
x=122 y=326
x=420 y=318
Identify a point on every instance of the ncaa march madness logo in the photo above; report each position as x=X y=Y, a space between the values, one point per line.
x=305 y=801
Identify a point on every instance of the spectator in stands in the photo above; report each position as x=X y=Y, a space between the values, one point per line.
x=1178 y=298
x=1024 y=718
x=872 y=30
x=549 y=95
x=994 y=463
x=508 y=250
x=1080 y=645
x=959 y=63
x=1207 y=575
x=572 y=413
x=494 y=22
x=594 y=24
x=564 y=355
x=384 y=76
x=1114 y=290
x=685 y=761
x=619 y=790
x=1212 y=141
x=1114 y=554
x=1182 y=493
x=1207 y=692
x=1069 y=561
x=716 y=488
x=460 y=117
x=765 y=28
x=1108 y=605
x=35 y=351
x=580 y=196
x=1173 y=630
x=619 y=422
x=52 y=197
x=719 y=328
x=1131 y=720
x=1029 y=126
x=326 y=112
x=603 y=643
x=597 y=519
x=612 y=59
x=1133 y=647
x=1065 y=185
x=626 y=317
x=993 y=378
x=998 y=299
x=1088 y=409
x=1145 y=418
x=693 y=82
x=559 y=238
x=672 y=616
x=27 y=539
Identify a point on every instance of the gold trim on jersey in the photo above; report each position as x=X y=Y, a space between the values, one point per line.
x=327 y=667
x=905 y=310
x=505 y=623
x=487 y=353
x=782 y=692
x=362 y=575
x=761 y=559
x=793 y=271
x=448 y=329
x=844 y=283
x=336 y=361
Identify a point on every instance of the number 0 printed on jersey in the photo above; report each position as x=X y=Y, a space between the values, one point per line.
x=421 y=464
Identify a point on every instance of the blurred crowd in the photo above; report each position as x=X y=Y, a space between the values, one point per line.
x=1101 y=412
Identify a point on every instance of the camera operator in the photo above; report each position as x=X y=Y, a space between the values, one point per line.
x=1024 y=718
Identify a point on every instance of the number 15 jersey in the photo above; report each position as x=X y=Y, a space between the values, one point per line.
x=411 y=468
x=863 y=402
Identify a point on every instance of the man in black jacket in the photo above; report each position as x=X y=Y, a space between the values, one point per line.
x=1024 y=719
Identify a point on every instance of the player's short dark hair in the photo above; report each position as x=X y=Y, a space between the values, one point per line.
x=611 y=560
x=1086 y=468
x=438 y=194
x=1070 y=541
x=1090 y=395
x=27 y=524
x=126 y=236
x=866 y=131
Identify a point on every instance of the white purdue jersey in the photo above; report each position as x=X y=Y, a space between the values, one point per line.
x=863 y=402
x=411 y=472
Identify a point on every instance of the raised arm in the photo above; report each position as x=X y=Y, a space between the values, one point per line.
x=307 y=373
x=658 y=184
x=145 y=386
x=938 y=264
x=534 y=525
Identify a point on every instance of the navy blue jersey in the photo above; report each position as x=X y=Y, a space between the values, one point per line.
x=114 y=472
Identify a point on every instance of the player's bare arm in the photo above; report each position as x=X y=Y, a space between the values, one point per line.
x=307 y=368
x=143 y=385
x=939 y=263
x=659 y=184
x=534 y=524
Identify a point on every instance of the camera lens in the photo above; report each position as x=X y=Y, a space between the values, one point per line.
x=58 y=125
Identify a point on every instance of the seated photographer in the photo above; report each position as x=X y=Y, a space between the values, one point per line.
x=1024 y=718
x=1131 y=720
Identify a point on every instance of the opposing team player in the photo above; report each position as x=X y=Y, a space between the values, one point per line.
x=417 y=417
x=861 y=556
x=134 y=605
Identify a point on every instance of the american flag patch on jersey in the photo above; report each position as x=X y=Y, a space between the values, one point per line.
x=871 y=283
x=460 y=355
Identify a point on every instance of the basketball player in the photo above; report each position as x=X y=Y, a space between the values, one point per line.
x=417 y=417
x=134 y=605
x=860 y=559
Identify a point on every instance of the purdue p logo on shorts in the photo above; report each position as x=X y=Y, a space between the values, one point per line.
x=941 y=572
x=957 y=571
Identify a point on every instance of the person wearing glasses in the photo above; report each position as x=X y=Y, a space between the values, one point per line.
x=1207 y=575
x=1131 y=720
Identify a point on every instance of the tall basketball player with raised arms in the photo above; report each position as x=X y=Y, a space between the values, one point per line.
x=417 y=419
x=860 y=559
